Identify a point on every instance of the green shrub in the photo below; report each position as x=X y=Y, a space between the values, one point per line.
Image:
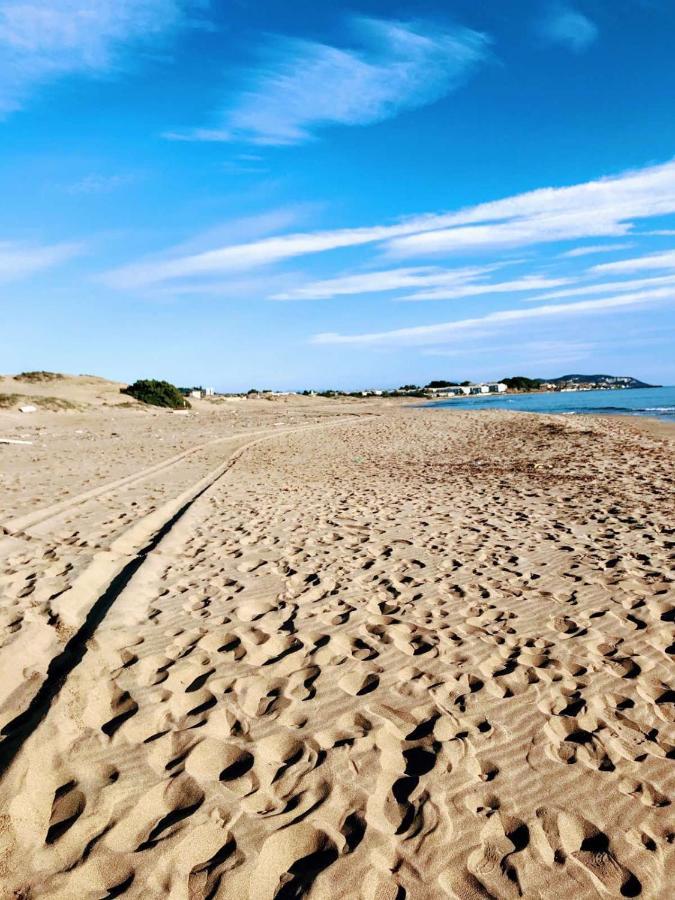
x=521 y=383
x=157 y=393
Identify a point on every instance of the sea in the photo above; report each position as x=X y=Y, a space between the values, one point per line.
x=658 y=403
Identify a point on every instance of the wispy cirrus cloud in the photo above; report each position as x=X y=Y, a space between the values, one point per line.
x=384 y=281
x=664 y=260
x=602 y=208
x=303 y=86
x=595 y=248
x=18 y=260
x=512 y=286
x=561 y=24
x=41 y=41
x=438 y=333
x=240 y=257
x=608 y=287
x=605 y=207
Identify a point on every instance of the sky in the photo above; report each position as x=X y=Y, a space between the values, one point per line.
x=262 y=194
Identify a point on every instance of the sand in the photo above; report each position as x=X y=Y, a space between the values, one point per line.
x=327 y=649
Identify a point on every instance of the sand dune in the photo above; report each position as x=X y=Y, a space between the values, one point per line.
x=399 y=653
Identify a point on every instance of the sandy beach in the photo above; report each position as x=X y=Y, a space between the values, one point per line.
x=334 y=649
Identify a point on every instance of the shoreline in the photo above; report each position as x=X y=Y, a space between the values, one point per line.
x=652 y=425
x=496 y=402
x=667 y=424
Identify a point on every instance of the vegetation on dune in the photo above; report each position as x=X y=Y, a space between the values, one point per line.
x=52 y=404
x=521 y=383
x=439 y=383
x=38 y=376
x=157 y=393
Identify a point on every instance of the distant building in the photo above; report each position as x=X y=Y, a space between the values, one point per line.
x=454 y=390
x=196 y=393
x=463 y=390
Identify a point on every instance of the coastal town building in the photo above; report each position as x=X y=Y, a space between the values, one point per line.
x=459 y=390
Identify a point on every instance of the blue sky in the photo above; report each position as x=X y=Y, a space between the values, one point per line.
x=242 y=193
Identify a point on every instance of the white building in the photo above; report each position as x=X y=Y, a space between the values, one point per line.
x=453 y=391
x=459 y=390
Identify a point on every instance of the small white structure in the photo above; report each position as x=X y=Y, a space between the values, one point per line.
x=196 y=395
x=28 y=408
x=209 y=392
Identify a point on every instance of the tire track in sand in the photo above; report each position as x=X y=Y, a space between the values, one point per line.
x=33 y=647
x=111 y=574
x=20 y=523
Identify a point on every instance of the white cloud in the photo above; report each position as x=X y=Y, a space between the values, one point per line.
x=526 y=283
x=641 y=263
x=252 y=287
x=430 y=334
x=238 y=257
x=303 y=86
x=596 y=208
x=517 y=232
x=568 y=27
x=593 y=249
x=22 y=260
x=383 y=281
x=608 y=288
x=607 y=207
x=44 y=39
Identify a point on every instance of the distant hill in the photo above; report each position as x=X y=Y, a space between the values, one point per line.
x=626 y=381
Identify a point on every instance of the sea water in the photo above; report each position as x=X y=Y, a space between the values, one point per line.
x=658 y=403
